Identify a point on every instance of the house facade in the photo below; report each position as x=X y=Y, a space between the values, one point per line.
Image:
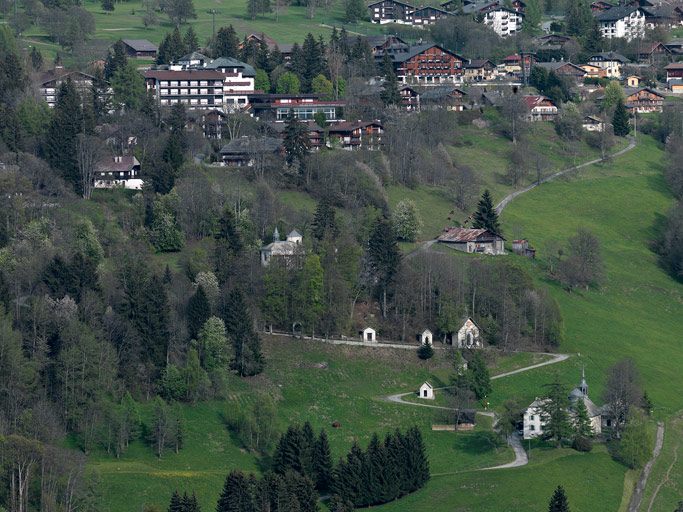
x=410 y=99
x=480 y=70
x=644 y=100
x=447 y=97
x=593 y=124
x=469 y=335
x=426 y=391
x=610 y=62
x=625 y=21
x=354 y=136
x=541 y=108
x=503 y=20
x=428 y=65
x=674 y=71
x=50 y=81
x=473 y=240
x=222 y=83
x=391 y=11
x=285 y=249
x=118 y=172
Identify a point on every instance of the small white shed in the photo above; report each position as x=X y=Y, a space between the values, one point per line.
x=425 y=337
x=368 y=334
x=469 y=335
x=426 y=391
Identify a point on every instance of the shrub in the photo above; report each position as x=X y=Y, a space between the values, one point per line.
x=425 y=352
x=582 y=444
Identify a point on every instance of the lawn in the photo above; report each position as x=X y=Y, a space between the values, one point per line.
x=312 y=382
x=291 y=25
x=638 y=312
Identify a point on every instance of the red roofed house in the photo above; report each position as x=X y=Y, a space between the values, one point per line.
x=541 y=108
x=473 y=240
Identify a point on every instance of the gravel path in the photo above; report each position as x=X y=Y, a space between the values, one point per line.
x=637 y=496
x=521 y=458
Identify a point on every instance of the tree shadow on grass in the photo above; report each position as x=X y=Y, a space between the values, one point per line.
x=478 y=443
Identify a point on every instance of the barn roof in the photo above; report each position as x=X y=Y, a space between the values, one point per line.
x=464 y=235
x=140 y=45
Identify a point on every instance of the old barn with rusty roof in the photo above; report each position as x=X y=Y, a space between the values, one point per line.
x=472 y=240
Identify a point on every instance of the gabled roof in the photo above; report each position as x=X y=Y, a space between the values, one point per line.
x=117 y=164
x=478 y=63
x=603 y=56
x=629 y=91
x=617 y=13
x=62 y=74
x=294 y=234
x=554 y=66
x=391 y=1
x=440 y=92
x=428 y=385
x=674 y=65
x=244 y=145
x=418 y=49
x=592 y=119
x=464 y=235
x=427 y=8
x=229 y=62
x=193 y=56
x=534 y=100
x=141 y=45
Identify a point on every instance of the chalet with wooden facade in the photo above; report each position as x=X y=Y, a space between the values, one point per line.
x=118 y=172
x=140 y=48
x=674 y=71
x=352 y=136
x=410 y=99
x=429 y=16
x=479 y=70
x=245 y=151
x=593 y=124
x=473 y=240
x=576 y=73
x=428 y=64
x=391 y=11
x=541 y=108
x=446 y=97
x=655 y=54
x=643 y=100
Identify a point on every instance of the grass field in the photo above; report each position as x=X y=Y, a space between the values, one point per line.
x=292 y=23
x=312 y=382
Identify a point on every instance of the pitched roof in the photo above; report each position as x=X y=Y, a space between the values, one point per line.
x=193 y=56
x=428 y=385
x=534 y=100
x=439 y=92
x=478 y=63
x=141 y=45
x=62 y=74
x=629 y=91
x=602 y=56
x=117 y=164
x=554 y=66
x=393 y=2
x=418 y=49
x=186 y=74
x=464 y=235
x=245 y=145
x=616 y=13
x=229 y=62
x=674 y=65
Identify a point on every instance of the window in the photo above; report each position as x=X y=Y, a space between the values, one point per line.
x=531 y=418
x=532 y=427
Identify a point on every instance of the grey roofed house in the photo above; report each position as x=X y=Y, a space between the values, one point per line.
x=608 y=56
x=140 y=47
x=194 y=56
x=440 y=93
x=229 y=62
x=473 y=240
x=241 y=151
x=555 y=65
x=616 y=13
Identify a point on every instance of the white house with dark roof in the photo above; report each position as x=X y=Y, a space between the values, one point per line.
x=288 y=248
x=623 y=21
x=118 y=172
x=426 y=391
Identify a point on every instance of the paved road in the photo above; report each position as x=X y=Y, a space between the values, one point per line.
x=521 y=458
x=510 y=197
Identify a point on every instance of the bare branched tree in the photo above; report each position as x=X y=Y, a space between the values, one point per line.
x=88 y=152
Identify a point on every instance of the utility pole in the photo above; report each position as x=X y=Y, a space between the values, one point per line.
x=213 y=23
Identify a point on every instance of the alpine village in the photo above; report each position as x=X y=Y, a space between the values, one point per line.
x=336 y=255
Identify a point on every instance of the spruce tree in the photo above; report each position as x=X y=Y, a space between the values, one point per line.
x=384 y=258
x=36 y=59
x=324 y=220
x=190 y=40
x=308 y=449
x=297 y=142
x=554 y=415
x=248 y=359
x=176 y=504
x=558 y=502
x=582 y=423
x=226 y=43
x=191 y=504
x=62 y=134
x=198 y=312
x=416 y=456
x=236 y=495
x=107 y=5
x=390 y=94
x=479 y=376
x=620 y=122
x=228 y=245
x=486 y=217
x=322 y=462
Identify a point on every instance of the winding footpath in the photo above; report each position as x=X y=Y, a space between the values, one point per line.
x=511 y=196
x=515 y=440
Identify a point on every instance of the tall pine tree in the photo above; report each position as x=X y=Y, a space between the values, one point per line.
x=62 y=135
x=554 y=415
x=322 y=462
x=620 y=120
x=198 y=312
x=248 y=359
x=384 y=258
x=486 y=217
x=237 y=494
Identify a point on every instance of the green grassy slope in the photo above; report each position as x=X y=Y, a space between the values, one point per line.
x=346 y=388
x=291 y=26
x=639 y=311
